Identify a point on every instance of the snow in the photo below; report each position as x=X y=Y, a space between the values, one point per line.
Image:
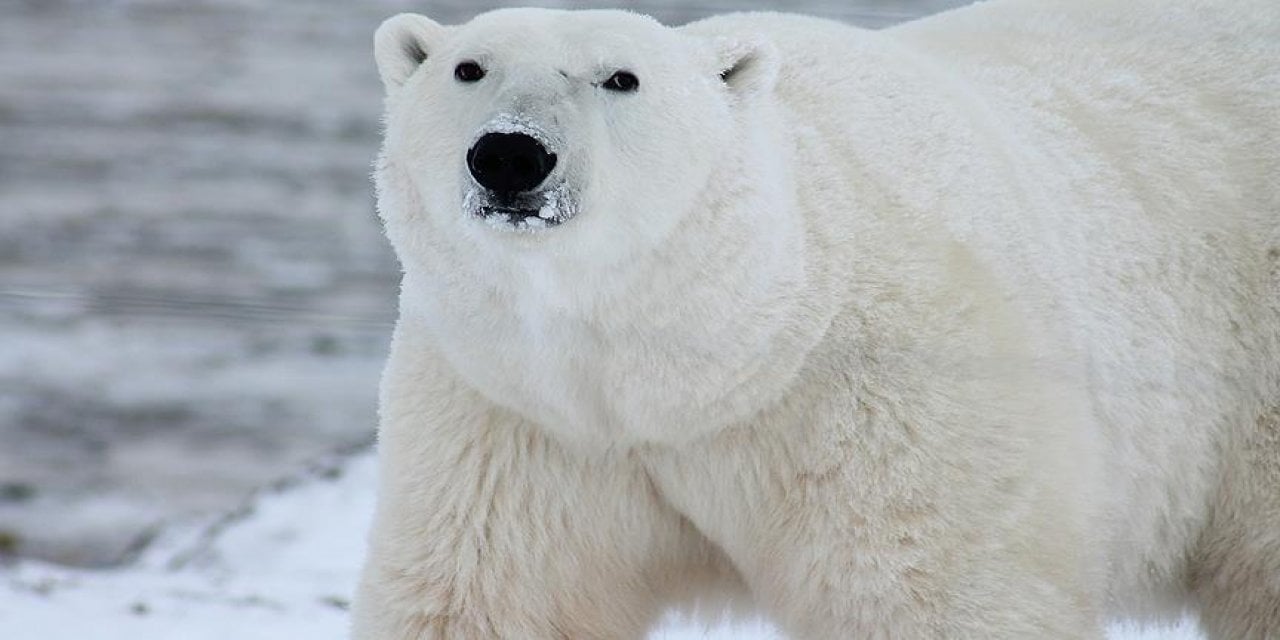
x=282 y=565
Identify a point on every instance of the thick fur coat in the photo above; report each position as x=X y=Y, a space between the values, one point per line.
x=968 y=328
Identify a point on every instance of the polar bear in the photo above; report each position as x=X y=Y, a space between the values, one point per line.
x=968 y=328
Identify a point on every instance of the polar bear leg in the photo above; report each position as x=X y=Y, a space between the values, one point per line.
x=1236 y=570
x=491 y=530
x=880 y=547
x=882 y=592
x=1019 y=604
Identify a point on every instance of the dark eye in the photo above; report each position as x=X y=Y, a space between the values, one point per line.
x=468 y=71
x=622 y=81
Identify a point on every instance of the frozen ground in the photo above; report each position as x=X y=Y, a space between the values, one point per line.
x=280 y=566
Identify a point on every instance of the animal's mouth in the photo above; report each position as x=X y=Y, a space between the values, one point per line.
x=543 y=209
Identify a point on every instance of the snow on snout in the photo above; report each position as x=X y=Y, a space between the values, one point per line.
x=506 y=122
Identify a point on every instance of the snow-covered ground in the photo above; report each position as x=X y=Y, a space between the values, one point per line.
x=283 y=565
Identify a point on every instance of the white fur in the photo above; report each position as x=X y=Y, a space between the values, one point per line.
x=968 y=328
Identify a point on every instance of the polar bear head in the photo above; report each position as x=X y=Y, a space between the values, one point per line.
x=545 y=172
x=527 y=120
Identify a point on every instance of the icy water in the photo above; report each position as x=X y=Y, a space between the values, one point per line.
x=195 y=296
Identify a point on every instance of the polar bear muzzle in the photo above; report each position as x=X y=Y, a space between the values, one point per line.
x=512 y=184
x=509 y=164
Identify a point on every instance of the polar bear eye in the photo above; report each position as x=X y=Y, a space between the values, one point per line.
x=468 y=71
x=624 y=81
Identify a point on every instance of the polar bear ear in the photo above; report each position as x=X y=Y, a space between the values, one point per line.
x=403 y=43
x=748 y=65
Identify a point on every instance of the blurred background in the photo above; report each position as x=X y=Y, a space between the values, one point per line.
x=195 y=295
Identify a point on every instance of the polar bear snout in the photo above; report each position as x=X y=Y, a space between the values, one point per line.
x=514 y=183
x=509 y=164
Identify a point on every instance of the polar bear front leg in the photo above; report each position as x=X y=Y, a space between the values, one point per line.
x=892 y=528
x=486 y=528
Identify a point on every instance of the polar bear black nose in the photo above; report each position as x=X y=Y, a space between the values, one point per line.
x=509 y=162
